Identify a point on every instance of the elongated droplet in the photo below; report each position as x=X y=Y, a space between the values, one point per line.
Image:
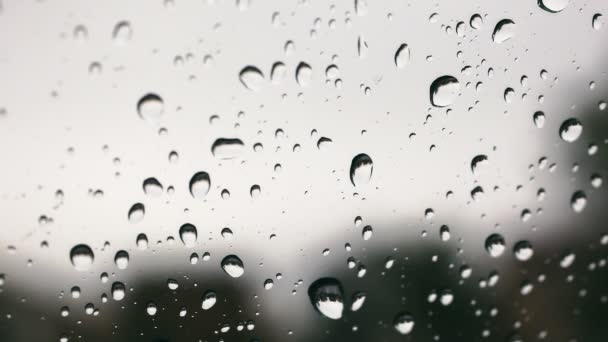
x=136 y=213
x=303 y=74
x=188 y=234
x=326 y=296
x=227 y=148
x=503 y=31
x=402 y=56
x=209 y=300
x=361 y=169
x=200 y=184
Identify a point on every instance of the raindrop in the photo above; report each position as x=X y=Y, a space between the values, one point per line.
x=118 y=291
x=227 y=233
x=252 y=78
x=361 y=169
x=151 y=308
x=152 y=187
x=188 y=234
x=150 y=107
x=303 y=74
x=476 y=21
x=367 y=233
x=136 y=213
x=553 y=6
x=567 y=259
x=539 y=119
x=200 y=184
x=122 y=33
x=82 y=257
x=597 y=21
x=233 y=266
x=570 y=130
x=478 y=164
x=121 y=259
x=444 y=233
x=504 y=30
x=209 y=299
x=278 y=72
x=495 y=245
x=268 y=284
x=402 y=56
x=404 y=323
x=523 y=251
x=227 y=148
x=444 y=91
x=326 y=296
x=324 y=143
x=357 y=301
x=578 y=201
x=172 y=284
x=142 y=242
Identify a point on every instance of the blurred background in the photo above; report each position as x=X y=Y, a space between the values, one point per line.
x=312 y=140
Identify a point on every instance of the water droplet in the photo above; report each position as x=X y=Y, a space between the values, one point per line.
x=478 y=164
x=227 y=233
x=402 y=56
x=136 y=213
x=553 y=6
x=361 y=169
x=326 y=296
x=150 y=107
x=362 y=47
x=227 y=148
x=278 y=72
x=476 y=21
x=504 y=30
x=142 y=242
x=303 y=74
x=209 y=300
x=578 y=201
x=509 y=95
x=188 y=234
x=324 y=143
x=118 y=291
x=567 y=259
x=444 y=233
x=151 y=308
x=357 y=301
x=570 y=130
x=361 y=7
x=200 y=184
x=121 y=259
x=252 y=78
x=539 y=119
x=172 y=284
x=82 y=257
x=444 y=91
x=367 y=233
x=477 y=193
x=122 y=33
x=233 y=266
x=446 y=298
x=152 y=187
x=255 y=191
x=404 y=323
x=523 y=251
x=597 y=22
x=268 y=284
x=495 y=245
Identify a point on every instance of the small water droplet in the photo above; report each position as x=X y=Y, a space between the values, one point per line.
x=303 y=74
x=150 y=107
x=118 y=291
x=252 y=78
x=188 y=234
x=82 y=257
x=402 y=56
x=136 y=213
x=209 y=300
x=200 y=184
x=495 y=245
x=578 y=201
x=523 y=250
x=121 y=259
x=122 y=33
x=152 y=187
x=404 y=323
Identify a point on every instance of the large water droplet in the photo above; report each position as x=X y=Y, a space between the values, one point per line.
x=118 y=291
x=570 y=130
x=402 y=56
x=188 y=234
x=227 y=148
x=478 y=163
x=326 y=296
x=597 y=21
x=361 y=169
x=578 y=201
x=150 y=107
x=303 y=74
x=523 y=251
x=404 y=323
x=504 y=30
x=209 y=300
x=122 y=33
x=444 y=91
x=495 y=245
x=476 y=21
x=277 y=73
x=136 y=213
x=233 y=266
x=121 y=259
x=152 y=187
x=82 y=257
x=252 y=78
x=200 y=184
x=553 y=6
